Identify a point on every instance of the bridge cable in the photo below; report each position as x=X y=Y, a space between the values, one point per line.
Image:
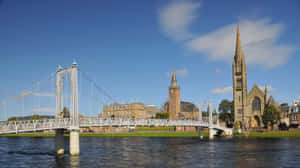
x=97 y=86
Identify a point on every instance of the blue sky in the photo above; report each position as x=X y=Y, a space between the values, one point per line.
x=128 y=47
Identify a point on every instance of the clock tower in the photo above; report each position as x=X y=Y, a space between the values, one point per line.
x=174 y=98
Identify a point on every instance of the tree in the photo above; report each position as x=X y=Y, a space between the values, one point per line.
x=13 y=118
x=226 y=109
x=66 y=113
x=35 y=117
x=271 y=115
x=204 y=114
x=162 y=115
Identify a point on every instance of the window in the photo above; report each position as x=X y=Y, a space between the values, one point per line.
x=239 y=83
x=238 y=69
x=256 y=105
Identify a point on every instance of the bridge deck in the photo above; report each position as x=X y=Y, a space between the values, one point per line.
x=7 y=127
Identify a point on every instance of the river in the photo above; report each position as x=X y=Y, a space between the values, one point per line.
x=132 y=152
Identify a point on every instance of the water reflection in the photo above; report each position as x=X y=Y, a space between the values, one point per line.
x=257 y=152
x=74 y=161
x=152 y=152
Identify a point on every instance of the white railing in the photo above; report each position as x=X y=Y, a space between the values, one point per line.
x=33 y=125
x=50 y=124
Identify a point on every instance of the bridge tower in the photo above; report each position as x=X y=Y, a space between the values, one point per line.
x=74 y=117
x=200 y=119
x=59 y=133
x=210 y=122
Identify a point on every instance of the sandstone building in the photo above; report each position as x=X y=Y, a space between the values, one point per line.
x=130 y=110
x=174 y=98
x=248 y=107
x=179 y=109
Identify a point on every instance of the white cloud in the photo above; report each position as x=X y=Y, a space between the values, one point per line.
x=44 y=110
x=183 y=72
x=175 y=18
x=270 y=88
x=259 y=40
x=44 y=94
x=222 y=90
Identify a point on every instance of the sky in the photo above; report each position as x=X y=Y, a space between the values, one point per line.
x=130 y=47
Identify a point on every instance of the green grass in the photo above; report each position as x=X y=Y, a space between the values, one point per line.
x=154 y=128
x=271 y=134
x=276 y=134
x=239 y=135
x=133 y=134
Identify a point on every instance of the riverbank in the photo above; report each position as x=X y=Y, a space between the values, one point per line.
x=129 y=134
x=272 y=134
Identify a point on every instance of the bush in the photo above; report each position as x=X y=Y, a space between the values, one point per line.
x=13 y=119
x=35 y=117
x=271 y=115
x=162 y=115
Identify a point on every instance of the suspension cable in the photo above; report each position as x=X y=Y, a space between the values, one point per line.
x=96 y=86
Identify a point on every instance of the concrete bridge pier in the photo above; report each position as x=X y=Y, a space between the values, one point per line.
x=200 y=132
x=59 y=141
x=211 y=133
x=74 y=142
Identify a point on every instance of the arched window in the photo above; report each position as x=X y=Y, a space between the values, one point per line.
x=256 y=105
x=239 y=83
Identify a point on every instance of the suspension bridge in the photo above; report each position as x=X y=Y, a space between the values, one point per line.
x=75 y=122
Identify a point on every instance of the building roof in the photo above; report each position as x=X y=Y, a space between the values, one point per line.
x=186 y=106
x=271 y=100
x=173 y=81
x=239 y=55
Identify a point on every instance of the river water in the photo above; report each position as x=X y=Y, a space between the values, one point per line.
x=152 y=152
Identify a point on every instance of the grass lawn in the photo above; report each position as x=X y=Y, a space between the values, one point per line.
x=276 y=134
x=272 y=134
x=155 y=128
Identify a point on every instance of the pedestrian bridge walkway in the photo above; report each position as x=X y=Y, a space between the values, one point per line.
x=9 y=127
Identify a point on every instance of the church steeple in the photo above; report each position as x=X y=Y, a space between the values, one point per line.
x=266 y=95
x=239 y=55
x=173 y=81
x=239 y=68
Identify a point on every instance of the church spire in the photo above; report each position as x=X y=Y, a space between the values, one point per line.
x=266 y=94
x=238 y=50
x=174 y=81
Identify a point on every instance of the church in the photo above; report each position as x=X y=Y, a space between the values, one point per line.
x=248 y=107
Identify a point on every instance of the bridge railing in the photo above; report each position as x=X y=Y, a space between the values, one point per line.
x=88 y=122
x=48 y=124
x=33 y=125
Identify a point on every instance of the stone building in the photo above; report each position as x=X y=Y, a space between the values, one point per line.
x=188 y=110
x=179 y=109
x=248 y=107
x=284 y=110
x=174 y=98
x=130 y=110
x=294 y=114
